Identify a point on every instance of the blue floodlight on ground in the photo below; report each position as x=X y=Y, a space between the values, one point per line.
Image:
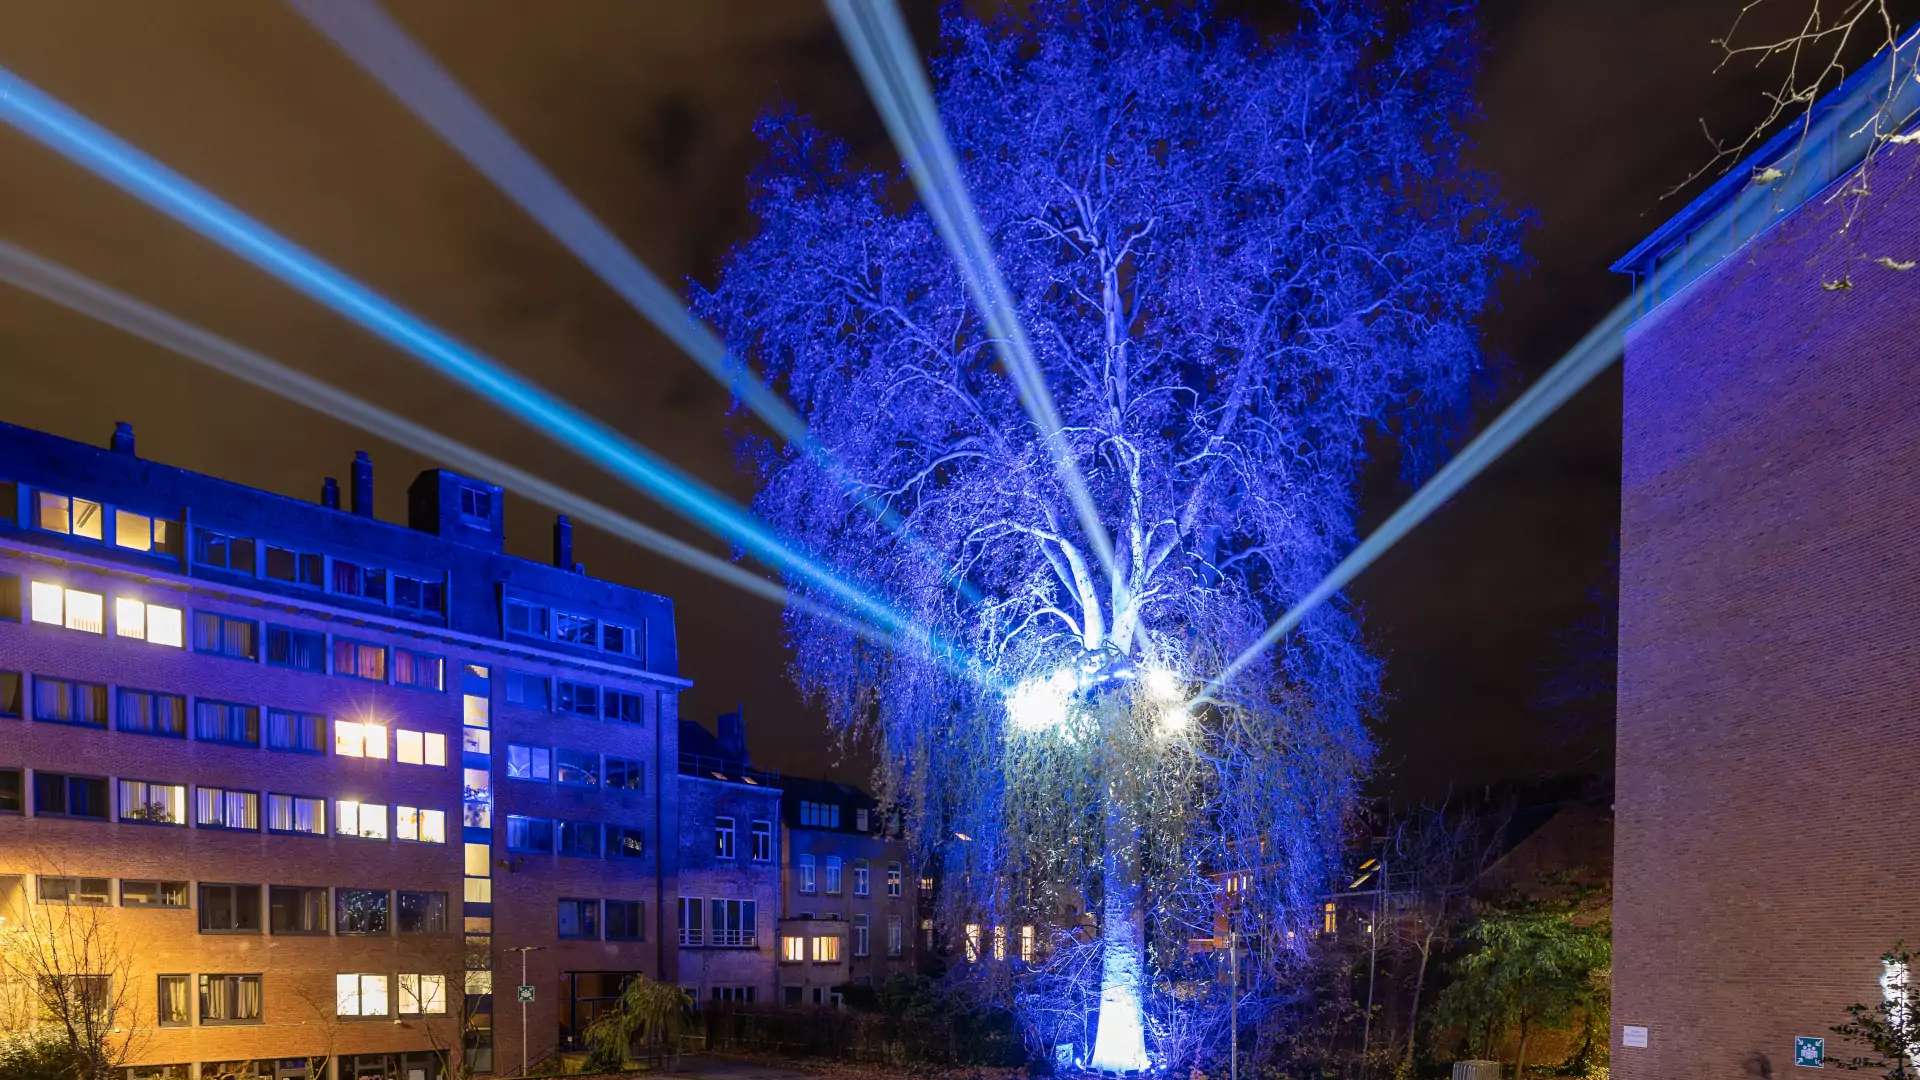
x=56 y=283
x=877 y=37
x=79 y=139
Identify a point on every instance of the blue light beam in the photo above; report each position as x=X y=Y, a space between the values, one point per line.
x=87 y=144
x=877 y=38
x=51 y=281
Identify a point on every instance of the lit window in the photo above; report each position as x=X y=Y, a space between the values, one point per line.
x=74 y=517
x=47 y=606
x=360 y=995
x=793 y=949
x=1330 y=921
x=351 y=739
x=860 y=876
x=1026 y=944
x=426 y=826
x=893 y=879
x=221 y=808
x=423 y=995
x=156 y=804
x=71 y=608
x=479 y=982
x=973 y=942
x=149 y=622
x=130 y=618
x=419 y=747
x=479 y=858
x=367 y=820
x=826 y=950
x=479 y=890
x=999 y=943
x=138 y=532
x=476 y=740
x=475 y=710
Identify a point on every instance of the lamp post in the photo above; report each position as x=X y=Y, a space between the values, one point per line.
x=523 y=950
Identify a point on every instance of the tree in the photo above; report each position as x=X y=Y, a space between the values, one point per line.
x=1242 y=263
x=647 y=1013
x=68 y=974
x=1890 y=1028
x=1435 y=854
x=1531 y=967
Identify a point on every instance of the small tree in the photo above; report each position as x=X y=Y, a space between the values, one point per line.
x=1531 y=968
x=1890 y=1029
x=647 y=1014
x=69 y=973
x=1436 y=854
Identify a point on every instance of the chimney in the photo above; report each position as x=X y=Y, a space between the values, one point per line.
x=362 y=484
x=330 y=493
x=563 y=542
x=123 y=438
x=733 y=733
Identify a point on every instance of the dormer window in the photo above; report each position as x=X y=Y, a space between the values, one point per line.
x=476 y=507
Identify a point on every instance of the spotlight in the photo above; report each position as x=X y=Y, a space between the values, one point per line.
x=1041 y=704
x=1163 y=685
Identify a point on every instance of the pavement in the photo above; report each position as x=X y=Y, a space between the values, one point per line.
x=702 y=1067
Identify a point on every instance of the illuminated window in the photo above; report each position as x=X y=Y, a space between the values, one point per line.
x=476 y=740
x=1330 y=918
x=860 y=876
x=223 y=808
x=826 y=949
x=71 y=608
x=155 y=804
x=793 y=950
x=973 y=942
x=1026 y=944
x=479 y=982
x=149 y=622
x=999 y=943
x=72 y=517
x=475 y=710
x=478 y=784
x=479 y=860
x=360 y=995
x=365 y=820
x=423 y=995
x=361 y=740
x=479 y=890
x=893 y=879
x=138 y=532
x=419 y=747
x=425 y=826
x=625 y=843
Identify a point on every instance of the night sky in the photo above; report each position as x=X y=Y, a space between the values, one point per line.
x=643 y=108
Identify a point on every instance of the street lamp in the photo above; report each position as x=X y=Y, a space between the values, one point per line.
x=523 y=950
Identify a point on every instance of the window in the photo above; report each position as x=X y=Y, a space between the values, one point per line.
x=365 y=820
x=297 y=814
x=862 y=931
x=973 y=942
x=417 y=594
x=860 y=818
x=229 y=999
x=623 y=843
x=360 y=582
x=1026 y=944
x=138 y=532
x=577 y=699
x=625 y=774
x=579 y=918
x=626 y=920
x=580 y=838
x=793 y=950
x=763 y=841
x=222 y=636
x=227 y=552
x=146 y=713
x=419 y=747
x=624 y=707
x=359 y=659
x=9 y=583
x=893 y=879
x=527 y=619
x=296 y=909
x=806 y=873
x=820 y=815
x=723 y=838
x=11 y=801
x=171 y=1008
x=60 y=795
x=155 y=804
x=999 y=943
x=229 y=909
x=733 y=923
x=423 y=995
x=737 y=995
x=576 y=629
x=423 y=912
x=294 y=567
x=10 y=694
x=576 y=767
x=68 y=516
x=476 y=506
x=75 y=890
x=529 y=762
x=833 y=875
x=302 y=650
x=895 y=935
x=529 y=834
x=71 y=608
x=860 y=887
x=826 y=949
x=63 y=702
x=359 y=911
x=527 y=690
x=615 y=638
x=298 y=733
x=423 y=671
x=354 y=739
x=360 y=995
x=222 y=808
x=424 y=826
x=153 y=623
x=926 y=934
x=224 y=722
x=690 y=912
x=162 y=894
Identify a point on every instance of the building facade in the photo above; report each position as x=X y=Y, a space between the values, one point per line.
x=338 y=778
x=1768 y=570
x=729 y=868
x=848 y=899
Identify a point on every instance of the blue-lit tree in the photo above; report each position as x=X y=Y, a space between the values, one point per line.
x=1242 y=264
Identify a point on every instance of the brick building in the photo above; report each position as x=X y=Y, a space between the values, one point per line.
x=1768 y=696
x=849 y=897
x=729 y=867
x=331 y=774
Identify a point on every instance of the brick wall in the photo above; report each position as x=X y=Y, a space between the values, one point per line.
x=1769 y=698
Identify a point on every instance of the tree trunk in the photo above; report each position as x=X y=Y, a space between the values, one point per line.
x=1119 y=1043
x=1520 y=1054
x=1413 y=1012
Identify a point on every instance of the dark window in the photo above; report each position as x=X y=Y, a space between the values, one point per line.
x=476 y=506
x=224 y=808
x=527 y=619
x=423 y=670
x=626 y=920
x=152 y=714
x=579 y=918
x=301 y=733
x=576 y=767
x=577 y=699
x=62 y=702
x=576 y=629
x=529 y=762
x=229 y=999
x=626 y=775
x=171 y=894
x=10 y=694
x=10 y=794
x=733 y=923
x=690 y=920
x=76 y=890
x=296 y=909
x=362 y=582
x=525 y=689
x=359 y=659
x=416 y=594
x=529 y=834
x=302 y=814
x=224 y=722
x=227 y=552
x=295 y=567
x=423 y=912
x=580 y=838
x=624 y=843
x=626 y=707
x=9 y=583
x=615 y=638
x=763 y=841
x=303 y=650
x=229 y=909
x=360 y=911
x=218 y=634
x=59 y=795
x=172 y=1008
x=723 y=836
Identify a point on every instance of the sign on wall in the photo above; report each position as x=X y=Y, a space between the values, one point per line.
x=526 y=993
x=1633 y=1035
x=1810 y=1052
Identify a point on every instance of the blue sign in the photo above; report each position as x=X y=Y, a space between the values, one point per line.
x=1809 y=1052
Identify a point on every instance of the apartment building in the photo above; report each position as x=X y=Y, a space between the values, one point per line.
x=332 y=780
x=849 y=898
x=729 y=867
